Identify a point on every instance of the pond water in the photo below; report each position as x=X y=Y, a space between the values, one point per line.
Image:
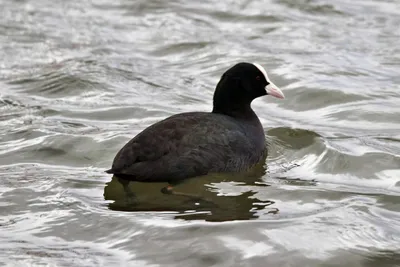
x=78 y=79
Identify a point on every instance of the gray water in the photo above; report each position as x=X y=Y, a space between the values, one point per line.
x=78 y=79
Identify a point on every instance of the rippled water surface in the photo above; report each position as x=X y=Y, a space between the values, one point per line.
x=78 y=79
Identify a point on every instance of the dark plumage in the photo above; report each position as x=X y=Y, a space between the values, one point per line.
x=228 y=139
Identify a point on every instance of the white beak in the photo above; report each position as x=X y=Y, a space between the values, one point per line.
x=274 y=90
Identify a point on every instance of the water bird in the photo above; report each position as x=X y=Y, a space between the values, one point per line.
x=230 y=138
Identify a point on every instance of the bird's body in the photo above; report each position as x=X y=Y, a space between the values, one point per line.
x=228 y=139
x=191 y=144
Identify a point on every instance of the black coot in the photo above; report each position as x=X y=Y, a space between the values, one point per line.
x=228 y=139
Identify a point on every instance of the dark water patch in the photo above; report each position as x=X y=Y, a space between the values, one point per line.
x=294 y=138
x=12 y=108
x=386 y=258
x=56 y=84
x=314 y=7
x=52 y=149
x=182 y=48
x=335 y=99
x=237 y=17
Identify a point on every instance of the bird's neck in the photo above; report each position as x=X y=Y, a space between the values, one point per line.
x=233 y=110
x=231 y=100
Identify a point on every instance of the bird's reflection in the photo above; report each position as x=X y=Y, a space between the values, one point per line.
x=212 y=206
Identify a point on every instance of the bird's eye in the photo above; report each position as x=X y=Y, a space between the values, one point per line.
x=258 y=78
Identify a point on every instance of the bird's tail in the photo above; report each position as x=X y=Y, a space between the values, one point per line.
x=110 y=171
